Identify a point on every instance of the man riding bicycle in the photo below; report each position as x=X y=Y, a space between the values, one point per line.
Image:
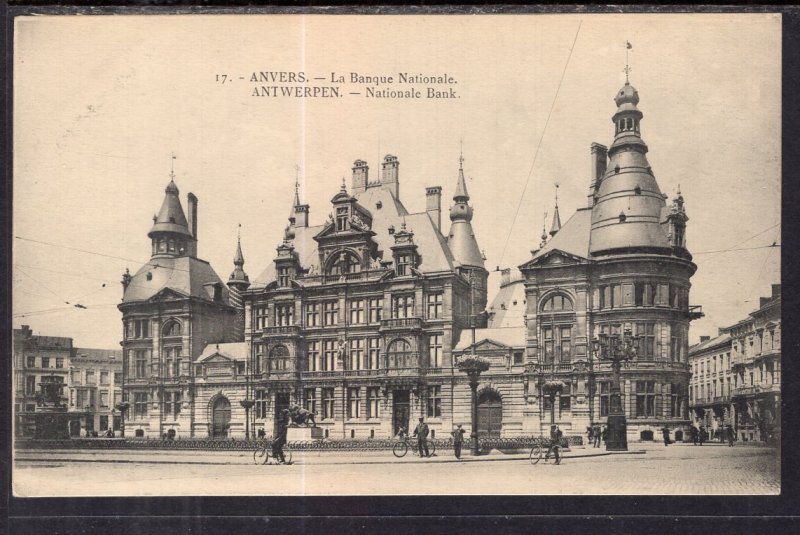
x=555 y=444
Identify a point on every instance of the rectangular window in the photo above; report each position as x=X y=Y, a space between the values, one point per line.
x=91 y=398
x=375 y=309
x=104 y=378
x=674 y=401
x=139 y=405
x=331 y=312
x=327 y=403
x=356 y=354
x=566 y=344
x=312 y=315
x=314 y=363
x=403 y=306
x=30 y=384
x=89 y=377
x=283 y=276
x=435 y=350
x=341 y=219
x=638 y=294
x=354 y=402
x=565 y=398
x=140 y=356
x=547 y=335
x=518 y=357
x=172 y=404
x=103 y=422
x=374 y=353
x=284 y=315
x=373 y=402
x=30 y=362
x=260 y=317
x=627 y=294
x=139 y=329
x=403 y=264
x=674 y=343
x=357 y=312
x=45 y=362
x=170 y=361
x=262 y=399
x=616 y=296
x=310 y=399
x=434 y=401
x=645 y=399
x=80 y=398
x=662 y=295
x=329 y=356
x=258 y=358
x=435 y=305
x=104 y=399
x=647 y=341
x=59 y=362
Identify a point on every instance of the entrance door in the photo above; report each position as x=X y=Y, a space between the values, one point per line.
x=74 y=428
x=221 y=417
x=401 y=411
x=490 y=415
x=281 y=402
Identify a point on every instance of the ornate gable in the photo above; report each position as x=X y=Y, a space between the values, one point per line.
x=555 y=257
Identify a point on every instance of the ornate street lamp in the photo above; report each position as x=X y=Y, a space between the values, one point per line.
x=247 y=404
x=473 y=366
x=122 y=406
x=616 y=349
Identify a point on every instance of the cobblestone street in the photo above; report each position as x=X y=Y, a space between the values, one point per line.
x=678 y=469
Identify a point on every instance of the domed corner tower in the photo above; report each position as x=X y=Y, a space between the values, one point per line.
x=464 y=247
x=640 y=277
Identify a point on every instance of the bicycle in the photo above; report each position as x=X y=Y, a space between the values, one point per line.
x=537 y=451
x=401 y=447
x=262 y=453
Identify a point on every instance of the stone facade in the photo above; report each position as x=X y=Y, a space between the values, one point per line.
x=95 y=388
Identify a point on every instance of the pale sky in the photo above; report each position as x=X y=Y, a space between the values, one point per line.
x=101 y=103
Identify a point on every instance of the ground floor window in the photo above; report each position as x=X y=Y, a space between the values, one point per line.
x=435 y=401
x=327 y=402
x=645 y=398
x=605 y=398
x=354 y=402
x=373 y=402
x=261 y=403
x=103 y=423
x=172 y=404
x=310 y=400
x=139 y=405
x=564 y=398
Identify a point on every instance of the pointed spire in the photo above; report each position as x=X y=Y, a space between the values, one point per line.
x=297 y=186
x=544 y=231
x=239 y=278
x=238 y=260
x=556 y=226
x=461 y=194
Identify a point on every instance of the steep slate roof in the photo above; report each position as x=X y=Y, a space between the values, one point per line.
x=573 y=238
x=508 y=306
x=431 y=244
x=185 y=275
x=508 y=336
x=719 y=340
x=233 y=351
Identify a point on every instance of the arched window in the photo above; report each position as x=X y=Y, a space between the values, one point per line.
x=279 y=358
x=171 y=328
x=344 y=262
x=557 y=303
x=400 y=355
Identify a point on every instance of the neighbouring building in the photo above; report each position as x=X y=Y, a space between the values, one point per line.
x=95 y=388
x=619 y=263
x=172 y=308
x=737 y=375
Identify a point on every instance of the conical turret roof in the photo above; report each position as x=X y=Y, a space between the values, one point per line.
x=170 y=217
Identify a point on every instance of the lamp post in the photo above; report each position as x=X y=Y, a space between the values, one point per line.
x=616 y=350
x=247 y=403
x=551 y=389
x=122 y=406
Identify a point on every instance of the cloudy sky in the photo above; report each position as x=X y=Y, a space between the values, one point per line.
x=101 y=104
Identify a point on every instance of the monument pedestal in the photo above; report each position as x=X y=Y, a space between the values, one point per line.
x=300 y=434
x=617 y=437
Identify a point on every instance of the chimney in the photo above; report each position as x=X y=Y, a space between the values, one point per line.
x=433 y=204
x=704 y=339
x=776 y=290
x=763 y=301
x=598 y=168
x=191 y=200
x=360 y=176
x=505 y=276
x=301 y=215
x=389 y=174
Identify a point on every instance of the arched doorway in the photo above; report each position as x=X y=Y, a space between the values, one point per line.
x=220 y=417
x=490 y=414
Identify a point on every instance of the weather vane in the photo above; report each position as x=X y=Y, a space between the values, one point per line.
x=172 y=167
x=627 y=68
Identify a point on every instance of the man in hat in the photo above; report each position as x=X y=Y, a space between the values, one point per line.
x=421 y=432
x=458 y=440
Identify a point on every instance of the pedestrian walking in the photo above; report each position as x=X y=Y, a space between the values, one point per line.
x=421 y=432
x=604 y=434
x=665 y=432
x=703 y=435
x=694 y=434
x=597 y=436
x=555 y=440
x=730 y=435
x=458 y=440
x=280 y=438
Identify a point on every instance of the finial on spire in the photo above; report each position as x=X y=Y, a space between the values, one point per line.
x=461 y=155
x=627 y=68
x=172 y=167
x=344 y=186
x=556 y=184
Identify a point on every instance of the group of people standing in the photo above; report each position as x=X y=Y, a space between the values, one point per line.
x=596 y=434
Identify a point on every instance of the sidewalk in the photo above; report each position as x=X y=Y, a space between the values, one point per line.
x=304 y=457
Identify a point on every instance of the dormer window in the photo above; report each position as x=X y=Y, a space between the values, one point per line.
x=404 y=264
x=284 y=274
x=342 y=219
